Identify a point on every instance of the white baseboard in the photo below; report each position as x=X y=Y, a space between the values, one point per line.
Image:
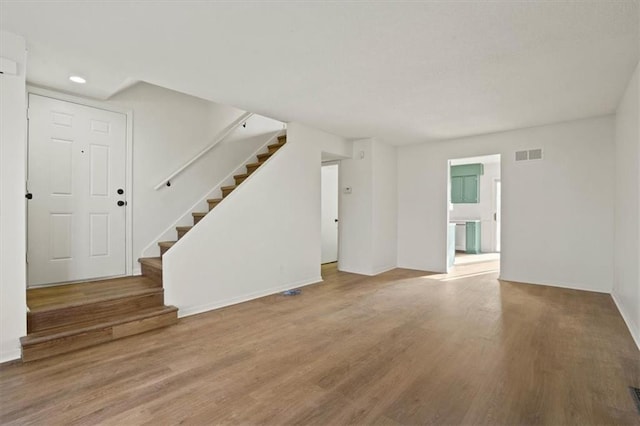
x=383 y=269
x=10 y=355
x=343 y=268
x=554 y=284
x=369 y=273
x=193 y=310
x=635 y=333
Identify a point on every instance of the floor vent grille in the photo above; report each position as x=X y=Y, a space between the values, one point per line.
x=635 y=393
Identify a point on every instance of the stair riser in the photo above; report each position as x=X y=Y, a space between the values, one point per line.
x=213 y=204
x=74 y=342
x=239 y=180
x=163 y=250
x=152 y=273
x=274 y=148
x=197 y=219
x=181 y=233
x=107 y=310
x=226 y=192
x=251 y=169
x=263 y=157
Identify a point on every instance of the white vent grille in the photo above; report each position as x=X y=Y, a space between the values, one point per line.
x=535 y=154
x=531 y=154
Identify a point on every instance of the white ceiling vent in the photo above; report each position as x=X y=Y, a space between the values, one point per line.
x=522 y=155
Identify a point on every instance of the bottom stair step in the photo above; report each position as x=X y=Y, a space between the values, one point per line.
x=82 y=335
x=152 y=268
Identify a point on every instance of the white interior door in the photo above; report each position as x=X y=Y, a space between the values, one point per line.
x=498 y=206
x=329 y=216
x=77 y=169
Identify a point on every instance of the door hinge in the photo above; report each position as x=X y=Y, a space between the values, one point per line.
x=28 y=113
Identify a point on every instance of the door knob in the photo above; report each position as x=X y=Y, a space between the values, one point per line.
x=120 y=191
x=122 y=203
x=28 y=195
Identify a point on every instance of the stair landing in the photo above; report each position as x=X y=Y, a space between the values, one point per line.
x=64 y=318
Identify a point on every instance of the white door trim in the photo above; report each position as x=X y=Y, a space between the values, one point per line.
x=129 y=255
x=494 y=223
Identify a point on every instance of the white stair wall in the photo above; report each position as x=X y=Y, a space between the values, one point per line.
x=263 y=239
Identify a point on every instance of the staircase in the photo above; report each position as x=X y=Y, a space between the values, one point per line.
x=65 y=318
x=152 y=266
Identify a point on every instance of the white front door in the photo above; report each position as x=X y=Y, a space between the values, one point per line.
x=76 y=177
x=329 y=216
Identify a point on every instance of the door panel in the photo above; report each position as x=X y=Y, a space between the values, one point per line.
x=470 y=189
x=329 y=216
x=77 y=160
x=456 y=189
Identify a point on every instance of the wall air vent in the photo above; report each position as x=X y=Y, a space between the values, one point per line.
x=535 y=154
x=531 y=154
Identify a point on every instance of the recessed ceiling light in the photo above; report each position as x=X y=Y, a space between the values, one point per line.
x=77 y=79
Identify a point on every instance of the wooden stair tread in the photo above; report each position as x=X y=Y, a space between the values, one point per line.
x=70 y=295
x=199 y=214
x=184 y=228
x=166 y=243
x=214 y=200
x=224 y=188
x=87 y=326
x=243 y=175
x=258 y=164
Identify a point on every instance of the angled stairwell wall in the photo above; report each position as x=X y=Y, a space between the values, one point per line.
x=229 y=157
x=265 y=237
x=170 y=128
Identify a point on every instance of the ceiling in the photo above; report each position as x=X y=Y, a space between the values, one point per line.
x=404 y=72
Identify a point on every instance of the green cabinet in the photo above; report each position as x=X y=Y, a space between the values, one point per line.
x=473 y=237
x=465 y=183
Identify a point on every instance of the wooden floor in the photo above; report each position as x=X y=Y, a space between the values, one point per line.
x=400 y=348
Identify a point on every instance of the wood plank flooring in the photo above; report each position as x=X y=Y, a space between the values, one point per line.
x=402 y=348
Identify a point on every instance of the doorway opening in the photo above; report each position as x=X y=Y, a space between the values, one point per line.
x=474 y=204
x=329 y=212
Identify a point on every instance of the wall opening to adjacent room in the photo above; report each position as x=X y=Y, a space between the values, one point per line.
x=473 y=211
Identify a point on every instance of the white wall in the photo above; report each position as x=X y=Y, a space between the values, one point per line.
x=557 y=213
x=368 y=215
x=626 y=287
x=263 y=238
x=385 y=207
x=484 y=209
x=356 y=219
x=13 y=319
x=169 y=129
